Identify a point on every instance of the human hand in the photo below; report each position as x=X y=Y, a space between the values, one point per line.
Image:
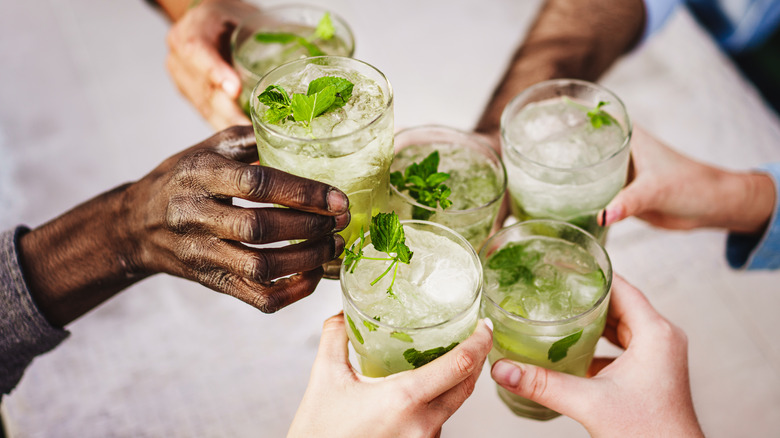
x=340 y=402
x=182 y=218
x=670 y=190
x=199 y=60
x=643 y=392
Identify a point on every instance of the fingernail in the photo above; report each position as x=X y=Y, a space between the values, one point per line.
x=489 y=323
x=613 y=215
x=338 y=245
x=230 y=87
x=337 y=201
x=506 y=373
x=342 y=221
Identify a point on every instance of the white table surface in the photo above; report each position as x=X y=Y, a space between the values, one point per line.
x=86 y=104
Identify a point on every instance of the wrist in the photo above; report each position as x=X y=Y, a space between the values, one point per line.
x=78 y=260
x=749 y=200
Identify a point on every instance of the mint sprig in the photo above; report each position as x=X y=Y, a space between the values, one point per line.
x=425 y=185
x=322 y=95
x=598 y=117
x=324 y=32
x=387 y=235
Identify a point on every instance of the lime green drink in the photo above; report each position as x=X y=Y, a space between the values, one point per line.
x=277 y=35
x=547 y=289
x=349 y=146
x=432 y=306
x=475 y=179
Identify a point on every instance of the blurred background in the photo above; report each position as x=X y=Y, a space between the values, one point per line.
x=87 y=104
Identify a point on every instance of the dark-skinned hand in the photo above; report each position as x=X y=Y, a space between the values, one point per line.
x=179 y=219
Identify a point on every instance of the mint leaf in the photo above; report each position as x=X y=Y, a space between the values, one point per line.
x=560 y=348
x=418 y=358
x=310 y=47
x=278 y=102
x=306 y=108
x=274 y=95
x=355 y=331
x=387 y=233
x=401 y=336
x=370 y=325
x=512 y=262
x=276 y=37
x=325 y=30
x=288 y=38
x=343 y=88
x=598 y=117
x=424 y=183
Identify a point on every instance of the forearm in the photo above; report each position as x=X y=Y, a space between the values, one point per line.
x=80 y=259
x=570 y=39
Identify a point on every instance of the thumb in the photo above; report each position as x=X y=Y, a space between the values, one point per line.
x=563 y=393
x=633 y=200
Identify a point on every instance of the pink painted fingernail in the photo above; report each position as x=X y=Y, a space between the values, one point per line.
x=506 y=373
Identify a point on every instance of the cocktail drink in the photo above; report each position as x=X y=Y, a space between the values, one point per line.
x=424 y=309
x=476 y=180
x=547 y=288
x=566 y=149
x=349 y=145
x=277 y=35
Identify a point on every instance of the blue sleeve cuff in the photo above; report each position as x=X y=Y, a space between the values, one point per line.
x=657 y=13
x=751 y=251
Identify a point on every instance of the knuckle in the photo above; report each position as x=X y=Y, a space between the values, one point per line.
x=464 y=363
x=534 y=383
x=255 y=181
x=251 y=228
x=177 y=217
x=257 y=268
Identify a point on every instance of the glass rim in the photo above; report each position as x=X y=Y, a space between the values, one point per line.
x=478 y=140
x=558 y=322
x=475 y=300
x=243 y=24
x=307 y=140
x=561 y=82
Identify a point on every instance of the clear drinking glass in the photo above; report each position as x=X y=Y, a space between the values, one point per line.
x=350 y=148
x=423 y=318
x=547 y=296
x=252 y=59
x=560 y=164
x=477 y=179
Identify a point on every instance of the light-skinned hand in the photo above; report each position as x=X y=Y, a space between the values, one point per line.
x=199 y=60
x=643 y=392
x=670 y=190
x=340 y=402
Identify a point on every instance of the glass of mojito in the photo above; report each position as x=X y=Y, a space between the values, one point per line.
x=547 y=288
x=280 y=34
x=461 y=180
x=565 y=145
x=330 y=119
x=415 y=311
